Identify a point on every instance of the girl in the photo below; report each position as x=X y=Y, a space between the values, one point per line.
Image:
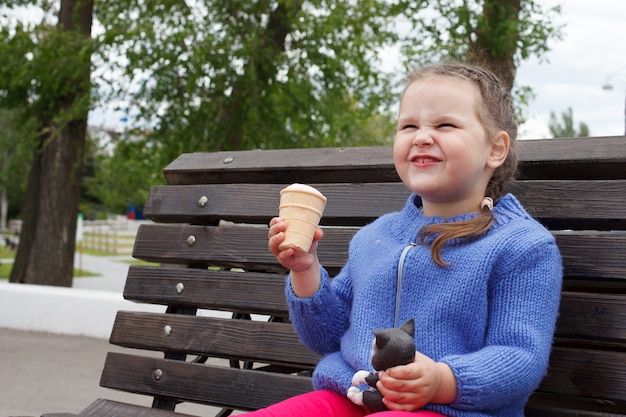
x=480 y=277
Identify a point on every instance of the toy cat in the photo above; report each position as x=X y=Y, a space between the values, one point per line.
x=391 y=347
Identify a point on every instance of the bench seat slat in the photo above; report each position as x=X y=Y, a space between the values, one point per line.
x=541 y=405
x=109 y=408
x=593 y=254
x=573 y=203
x=592 y=317
x=241 y=292
x=355 y=164
x=247 y=340
x=200 y=383
x=232 y=202
x=585 y=254
x=587 y=373
x=222 y=245
x=567 y=158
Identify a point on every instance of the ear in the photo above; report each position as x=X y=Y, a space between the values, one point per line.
x=409 y=327
x=499 y=150
x=381 y=338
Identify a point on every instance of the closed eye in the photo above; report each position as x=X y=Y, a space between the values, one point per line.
x=444 y=125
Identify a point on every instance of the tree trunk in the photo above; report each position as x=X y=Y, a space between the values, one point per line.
x=259 y=72
x=496 y=41
x=4 y=208
x=46 y=251
x=4 y=200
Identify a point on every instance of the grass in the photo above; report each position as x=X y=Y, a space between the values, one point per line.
x=6 y=253
x=5 y=271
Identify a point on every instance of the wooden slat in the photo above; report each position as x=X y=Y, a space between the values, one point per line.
x=573 y=203
x=577 y=205
x=59 y=415
x=109 y=408
x=223 y=246
x=592 y=158
x=593 y=254
x=348 y=204
x=357 y=164
x=592 y=317
x=204 y=384
x=541 y=405
x=573 y=158
x=248 y=340
x=585 y=254
x=242 y=292
x=586 y=373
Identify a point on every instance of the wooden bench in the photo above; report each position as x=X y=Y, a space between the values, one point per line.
x=224 y=334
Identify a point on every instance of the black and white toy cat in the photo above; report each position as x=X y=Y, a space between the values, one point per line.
x=391 y=347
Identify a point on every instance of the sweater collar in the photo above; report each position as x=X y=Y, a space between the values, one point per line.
x=505 y=209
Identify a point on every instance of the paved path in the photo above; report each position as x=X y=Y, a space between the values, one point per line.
x=43 y=372
x=112 y=271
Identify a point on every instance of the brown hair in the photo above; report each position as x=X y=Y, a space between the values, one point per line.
x=495 y=111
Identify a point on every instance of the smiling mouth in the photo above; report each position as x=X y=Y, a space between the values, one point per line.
x=423 y=160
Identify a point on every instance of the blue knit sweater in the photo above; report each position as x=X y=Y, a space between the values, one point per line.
x=490 y=315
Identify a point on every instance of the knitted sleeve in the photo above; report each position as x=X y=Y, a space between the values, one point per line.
x=523 y=307
x=322 y=319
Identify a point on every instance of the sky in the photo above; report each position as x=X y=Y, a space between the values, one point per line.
x=592 y=53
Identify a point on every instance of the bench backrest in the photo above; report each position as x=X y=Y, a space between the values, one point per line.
x=224 y=291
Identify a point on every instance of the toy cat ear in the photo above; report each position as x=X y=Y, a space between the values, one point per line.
x=409 y=327
x=381 y=338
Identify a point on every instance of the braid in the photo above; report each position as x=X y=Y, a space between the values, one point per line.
x=445 y=232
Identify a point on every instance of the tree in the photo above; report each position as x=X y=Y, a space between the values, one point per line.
x=567 y=129
x=241 y=74
x=496 y=33
x=246 y=74
x=15 y=155
x=125 y=177
x=58 y=95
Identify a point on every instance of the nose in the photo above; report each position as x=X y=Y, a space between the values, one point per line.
x=422 y=138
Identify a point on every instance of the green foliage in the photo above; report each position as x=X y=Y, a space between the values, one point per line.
x=125 y=177
x=254 y=74
x=450 y=28
x=17 y=133
x=224 y=74
x=488 y=31
x=565 y=127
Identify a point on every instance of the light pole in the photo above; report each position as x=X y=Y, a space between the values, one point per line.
x=608 y=86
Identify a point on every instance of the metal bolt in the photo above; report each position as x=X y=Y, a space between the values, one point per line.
x=203 y=200
x=167 y=330
x=228 y=159
x=157 y=374
x=180 y=288
x=191 y=240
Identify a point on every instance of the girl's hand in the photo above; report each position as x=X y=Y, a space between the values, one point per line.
x=410 y=387
x=304 y=266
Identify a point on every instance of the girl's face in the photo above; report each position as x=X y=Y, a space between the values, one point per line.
x=441 y=151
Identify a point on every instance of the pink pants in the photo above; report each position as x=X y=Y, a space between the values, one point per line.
x=324 y=403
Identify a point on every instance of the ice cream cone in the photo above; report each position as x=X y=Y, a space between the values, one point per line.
x=301 y=206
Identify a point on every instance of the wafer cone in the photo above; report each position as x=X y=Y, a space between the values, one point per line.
x=301 y=206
